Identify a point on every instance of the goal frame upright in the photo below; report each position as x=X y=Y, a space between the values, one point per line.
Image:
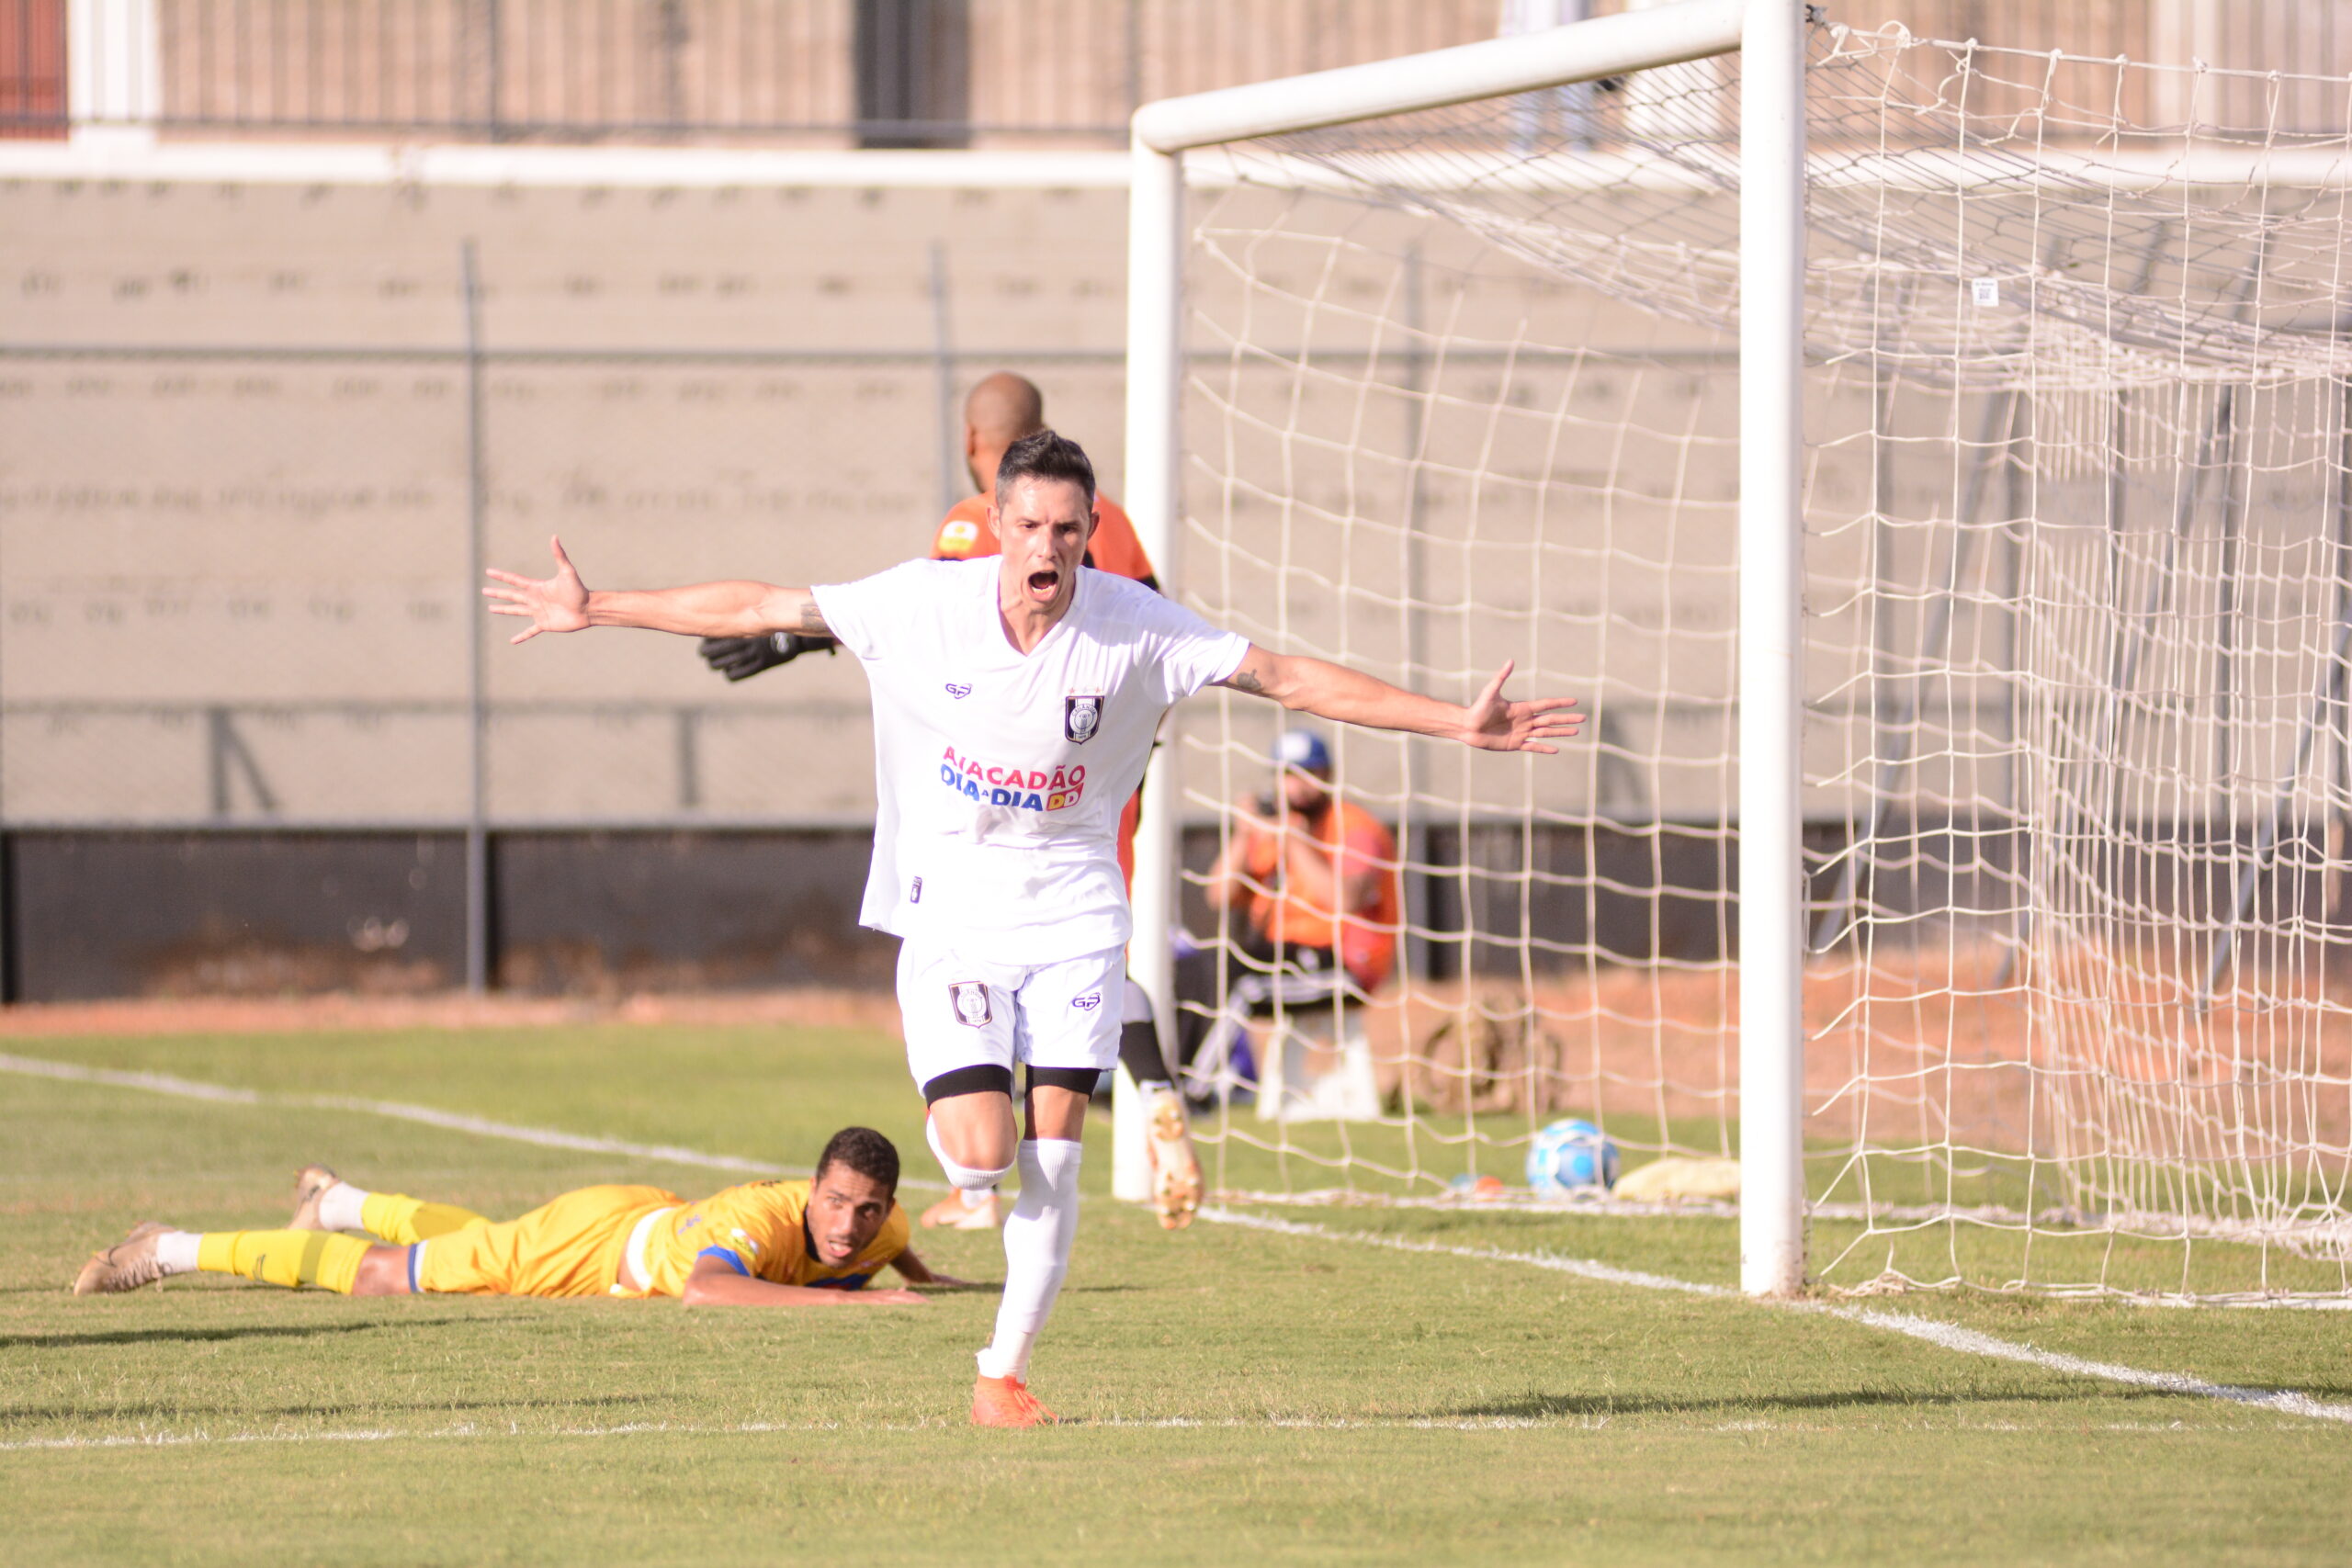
x=1770 y=35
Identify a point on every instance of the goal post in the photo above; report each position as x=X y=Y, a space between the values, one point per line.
x=1933 y=461
x=1771 y=350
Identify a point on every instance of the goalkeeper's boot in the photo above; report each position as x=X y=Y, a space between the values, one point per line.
x=1175 y=1168
x=126 y=1264
x=310 y=1184
x=953 y=1213
x=1007 y=1401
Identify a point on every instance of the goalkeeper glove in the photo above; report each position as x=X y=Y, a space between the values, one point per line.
x=741 y=657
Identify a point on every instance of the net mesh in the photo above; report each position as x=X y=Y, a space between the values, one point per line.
x=2078 y=565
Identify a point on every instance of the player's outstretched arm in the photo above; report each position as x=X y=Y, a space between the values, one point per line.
x=564 y=604
x=713 y=1283
x=917 y=1272
x=1330 y=691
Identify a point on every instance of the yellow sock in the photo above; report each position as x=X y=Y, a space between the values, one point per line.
x=404 y=1222
x=292 y=1259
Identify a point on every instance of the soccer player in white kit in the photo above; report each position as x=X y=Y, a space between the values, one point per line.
x=1015 y=699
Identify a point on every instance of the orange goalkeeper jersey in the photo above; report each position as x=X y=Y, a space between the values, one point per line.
x=1114 y=547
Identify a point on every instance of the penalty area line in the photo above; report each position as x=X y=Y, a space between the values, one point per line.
x=1943 y=1336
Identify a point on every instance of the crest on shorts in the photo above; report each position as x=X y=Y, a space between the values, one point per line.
x=1082 y=717
x=970 y=999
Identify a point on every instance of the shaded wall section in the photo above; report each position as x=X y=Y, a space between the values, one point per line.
x=97 y=914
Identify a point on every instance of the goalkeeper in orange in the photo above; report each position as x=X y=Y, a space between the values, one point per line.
x=813 y=1242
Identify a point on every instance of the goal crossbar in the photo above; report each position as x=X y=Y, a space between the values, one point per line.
x=1770 y=36
x=1494 y=68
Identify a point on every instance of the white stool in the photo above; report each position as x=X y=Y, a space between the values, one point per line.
x=1316 y=1067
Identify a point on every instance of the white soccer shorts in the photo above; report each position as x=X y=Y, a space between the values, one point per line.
x=959 y=1013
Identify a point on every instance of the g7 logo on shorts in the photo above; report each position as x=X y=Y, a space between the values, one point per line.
x=1088 y=1002
x=970 y=1001
x=958 y=690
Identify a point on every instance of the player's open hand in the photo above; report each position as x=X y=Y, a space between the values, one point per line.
x=1492 y=724
x=557 y=603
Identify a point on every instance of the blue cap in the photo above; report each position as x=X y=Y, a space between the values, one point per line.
x=1303 y=749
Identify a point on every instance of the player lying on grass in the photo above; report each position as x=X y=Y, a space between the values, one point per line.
x=1015 y=700
x=813 y=1242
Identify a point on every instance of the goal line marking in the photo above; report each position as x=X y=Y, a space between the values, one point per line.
x=450 y=1120
x=1945 y=1335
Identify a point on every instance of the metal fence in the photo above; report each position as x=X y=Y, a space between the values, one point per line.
x=884 y=72
x=256 y=442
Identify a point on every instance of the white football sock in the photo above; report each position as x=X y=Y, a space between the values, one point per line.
x=339 y=1207
x=976 y=1197
x=964 y=1179
x=1037 y=1238
x=175 y=1251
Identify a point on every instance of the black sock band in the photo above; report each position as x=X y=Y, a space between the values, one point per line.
x=984 y=1077
x=1078 y=1080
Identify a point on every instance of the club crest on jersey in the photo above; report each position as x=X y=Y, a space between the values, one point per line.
x=958 y=690
x=1088 y=1002
x=1082 y=717
x=971 y=1003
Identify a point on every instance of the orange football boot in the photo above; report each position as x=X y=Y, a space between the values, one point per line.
x=1007 y=1401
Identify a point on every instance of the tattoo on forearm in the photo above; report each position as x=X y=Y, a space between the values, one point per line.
x=812 y=619
x=1243 y=681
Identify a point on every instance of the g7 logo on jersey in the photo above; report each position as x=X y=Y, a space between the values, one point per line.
x=1088 y=1002
x=970 y=999
x=959 y=691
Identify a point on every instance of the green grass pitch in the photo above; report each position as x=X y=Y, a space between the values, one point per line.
x=1236 y=1395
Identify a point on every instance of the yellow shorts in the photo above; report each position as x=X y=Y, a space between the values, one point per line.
x=570 y=1247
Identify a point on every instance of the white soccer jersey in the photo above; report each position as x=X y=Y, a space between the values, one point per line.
x=1000 y=776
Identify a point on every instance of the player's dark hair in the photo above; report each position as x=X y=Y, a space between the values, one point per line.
x=1045 y=456
x=864 y=1151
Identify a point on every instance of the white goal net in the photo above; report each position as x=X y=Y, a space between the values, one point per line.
x=2078 y=607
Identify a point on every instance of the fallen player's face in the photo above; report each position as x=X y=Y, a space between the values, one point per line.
x=846 y=1210
x=1042 y=525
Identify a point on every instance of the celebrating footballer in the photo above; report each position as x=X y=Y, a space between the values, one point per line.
x=1015 y=700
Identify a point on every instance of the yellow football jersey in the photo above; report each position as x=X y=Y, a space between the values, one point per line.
x=758 y=1230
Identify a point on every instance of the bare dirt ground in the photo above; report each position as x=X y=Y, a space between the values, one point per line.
x=1955 y=1048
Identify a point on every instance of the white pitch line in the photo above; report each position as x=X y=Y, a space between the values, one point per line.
x=452 y=1121
x=1584 y=1269
x=1944 y=1335
x=1968 y=1341
x=154 y=1083
x=550 y=1138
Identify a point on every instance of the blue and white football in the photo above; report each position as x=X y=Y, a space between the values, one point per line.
x=1571 y=1157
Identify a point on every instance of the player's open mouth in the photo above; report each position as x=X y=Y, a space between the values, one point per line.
x=1044 y=583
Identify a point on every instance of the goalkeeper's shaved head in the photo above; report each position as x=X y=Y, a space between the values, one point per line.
x=1003 y=407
